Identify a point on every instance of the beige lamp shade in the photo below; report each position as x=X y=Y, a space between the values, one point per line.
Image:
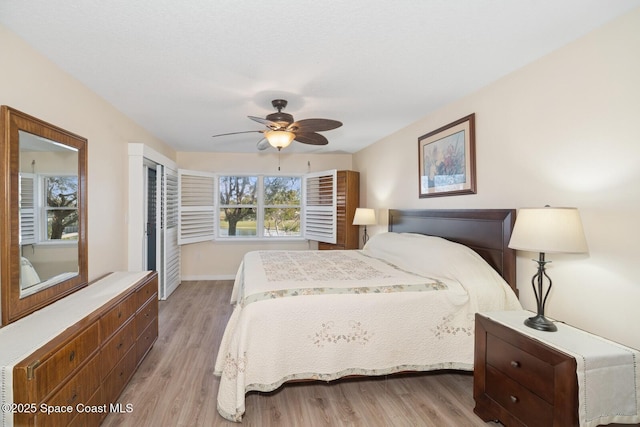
x=364 y=216
x=548 y=230
x=279 y=138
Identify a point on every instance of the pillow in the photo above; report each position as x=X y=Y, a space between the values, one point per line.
x=409 y=251
x=28 y=274
x=437 y=257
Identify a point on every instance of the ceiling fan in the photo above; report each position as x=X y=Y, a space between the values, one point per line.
x=282 y=129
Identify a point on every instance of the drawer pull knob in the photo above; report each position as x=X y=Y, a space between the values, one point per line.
x=515 y=364
x=119 y=346
x=73 y=398
x=119 y=314
x=514 y=399
x=72 y=356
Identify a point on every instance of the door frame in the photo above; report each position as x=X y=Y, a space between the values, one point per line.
x=140 y=158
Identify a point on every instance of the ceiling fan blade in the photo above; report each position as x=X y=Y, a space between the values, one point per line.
x=236 y=133
x=266 y=122
x=314 y=125
x=311 y=138
x=263 y=144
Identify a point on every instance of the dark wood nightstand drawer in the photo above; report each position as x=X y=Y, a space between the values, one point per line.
x=522 y=367
x=518 y=400
x=539 y=389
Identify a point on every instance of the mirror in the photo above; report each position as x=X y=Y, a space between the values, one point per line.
x=44 y=216
x=48 y=210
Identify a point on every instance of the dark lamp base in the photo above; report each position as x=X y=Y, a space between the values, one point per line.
x=541 y=323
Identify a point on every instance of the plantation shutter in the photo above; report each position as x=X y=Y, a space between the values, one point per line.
x=169 y=221
x=320 y=206
x=196 y=209
x=27 y=209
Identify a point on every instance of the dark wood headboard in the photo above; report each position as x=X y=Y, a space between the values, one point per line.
x=486 y=231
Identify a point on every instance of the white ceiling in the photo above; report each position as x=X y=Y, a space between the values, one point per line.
x=186 y=70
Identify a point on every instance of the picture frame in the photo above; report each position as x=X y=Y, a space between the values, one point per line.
x=447 y=160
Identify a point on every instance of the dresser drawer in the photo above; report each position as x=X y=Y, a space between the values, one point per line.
x=77 y=391
x=518 y=400
x=522 y=367
x=146 y=339
x=145 y=316
x=57 y=367
x=117 y=347
x=119 y=377
x=94 y=414
x=117 y=316
x=147 y=291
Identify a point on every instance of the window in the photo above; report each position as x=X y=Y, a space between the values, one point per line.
x=60 y=211
x=229 y=207
x=282 y=206
x=259 y=206
x=238 y=202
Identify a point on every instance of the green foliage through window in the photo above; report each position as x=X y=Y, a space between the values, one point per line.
x=260 y=206
x=61 y=205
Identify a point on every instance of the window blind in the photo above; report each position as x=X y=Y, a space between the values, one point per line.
x=27 y=209
x=320 y=206
x=196 y=209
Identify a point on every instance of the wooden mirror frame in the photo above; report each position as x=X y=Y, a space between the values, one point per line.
x=13 y=307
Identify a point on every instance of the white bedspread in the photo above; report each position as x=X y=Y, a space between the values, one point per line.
x=328 y=314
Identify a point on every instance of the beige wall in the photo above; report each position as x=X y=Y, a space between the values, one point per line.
x=220 y=260
x=32 y=84
x=561 y=131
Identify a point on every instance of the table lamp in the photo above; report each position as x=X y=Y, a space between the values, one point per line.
x=546 y=230
x=364 y=216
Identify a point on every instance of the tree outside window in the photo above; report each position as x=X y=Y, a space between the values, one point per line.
x=61 y=207
x=238 y=205
x=272 y=201
x=282 y=200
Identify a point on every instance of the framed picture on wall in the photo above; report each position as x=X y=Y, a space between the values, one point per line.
x=447 y=160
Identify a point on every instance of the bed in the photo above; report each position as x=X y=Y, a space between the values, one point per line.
x=399 y=304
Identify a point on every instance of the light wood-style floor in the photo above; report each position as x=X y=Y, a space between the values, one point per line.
x=175 y=385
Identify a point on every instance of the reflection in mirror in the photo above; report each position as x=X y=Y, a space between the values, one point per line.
x=43 y=214
x=48 y=203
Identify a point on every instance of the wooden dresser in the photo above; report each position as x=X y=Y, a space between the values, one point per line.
x=75 y=377
x=347 y=200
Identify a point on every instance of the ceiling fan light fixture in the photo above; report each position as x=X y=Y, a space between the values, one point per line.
x=279 y=138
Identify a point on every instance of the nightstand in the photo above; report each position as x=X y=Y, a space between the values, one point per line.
x=524 y=377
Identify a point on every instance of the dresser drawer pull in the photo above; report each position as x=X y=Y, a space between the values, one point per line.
x=72 y=355
x=119 y=314
x=31 y=369
x=73 y=398
x=514 y=399
x=515 y=364
x=119 y=346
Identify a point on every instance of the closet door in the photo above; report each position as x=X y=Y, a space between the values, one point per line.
x=169 y=231
x=153 y=208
